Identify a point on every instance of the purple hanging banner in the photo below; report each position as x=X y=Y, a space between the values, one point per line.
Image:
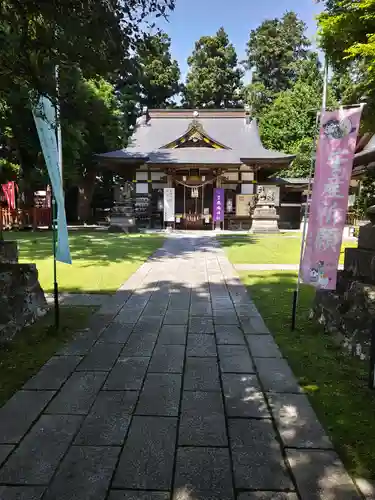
x=218 y=210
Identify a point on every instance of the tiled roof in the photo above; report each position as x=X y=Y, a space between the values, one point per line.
x=231 y=130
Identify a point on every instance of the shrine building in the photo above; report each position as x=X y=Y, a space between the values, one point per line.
x=194 y=152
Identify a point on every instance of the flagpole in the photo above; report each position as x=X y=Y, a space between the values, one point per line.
x=54 y=204
x=308 y=196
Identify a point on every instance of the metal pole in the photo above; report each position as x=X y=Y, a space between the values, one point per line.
x=58 y=123
x=55 y=284
x=308 y=198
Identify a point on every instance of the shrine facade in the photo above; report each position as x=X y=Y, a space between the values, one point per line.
x=196 y=152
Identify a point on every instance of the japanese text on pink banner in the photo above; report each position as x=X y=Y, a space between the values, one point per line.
x=329 y=201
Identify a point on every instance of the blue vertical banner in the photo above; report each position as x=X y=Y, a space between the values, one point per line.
x=45 y=120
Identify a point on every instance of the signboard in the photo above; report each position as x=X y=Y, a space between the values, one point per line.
x=218 y=208
x=329 y=201
x=243 y=204
x=168 y=204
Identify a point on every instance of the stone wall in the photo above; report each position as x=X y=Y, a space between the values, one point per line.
x=347 y=313
x=22 y=299
x=8 y=252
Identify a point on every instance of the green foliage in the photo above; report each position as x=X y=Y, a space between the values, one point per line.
x=347 y=35
x=214 y=79
x=289 y=123
x=273 y=50
x=366 y=197
x=96 y=36
x=158 y=74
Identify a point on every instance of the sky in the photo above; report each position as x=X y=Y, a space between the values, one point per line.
x=192 y=19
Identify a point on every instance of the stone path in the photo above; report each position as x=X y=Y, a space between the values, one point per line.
x=176 y=391
x=79 y=299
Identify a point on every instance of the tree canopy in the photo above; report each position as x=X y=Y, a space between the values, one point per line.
x=100 y=47
x=214 y=78
x=347 y=35
x=94 y=35
x=273 y=50
x=159 y=75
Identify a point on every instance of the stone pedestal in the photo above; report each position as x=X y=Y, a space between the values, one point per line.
x=8 y=252
x=265 y=220
x=122 y=223
x=349 y=311
x=22 y=300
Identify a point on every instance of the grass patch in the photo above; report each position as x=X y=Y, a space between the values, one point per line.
x=335 y=383
x=34 y=345
x=102 y=261
x=278 y=249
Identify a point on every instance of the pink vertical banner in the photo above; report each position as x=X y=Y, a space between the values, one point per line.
x=329 y=201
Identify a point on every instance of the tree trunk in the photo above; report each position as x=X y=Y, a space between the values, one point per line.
x=85 y=194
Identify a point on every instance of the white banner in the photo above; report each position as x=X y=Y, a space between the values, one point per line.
x=168 y=204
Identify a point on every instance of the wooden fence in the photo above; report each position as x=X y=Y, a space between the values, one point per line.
x=20 y=219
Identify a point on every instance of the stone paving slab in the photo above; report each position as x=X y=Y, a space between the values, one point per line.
x=139 y=495
x=229 y=334
x=203 y=473
x=85 y=473
x=140 y=403
x=21 y=492
x=127 y=374
x=201 y=374
x=140 y=344
x=160 y=395
x=167 y=359
x=243 y=396
x=263 y=346
x=147 y=458
x=276 y=375
x=173 y=335
x=321 y=475
x=235 y=359
x=18 y=414
x=37 y=457
x=101 y=357
x=267 y=495
x=78 y=394
x=54 y=373
x=257 y=460
x=109 y=419
x=202 y=420
x=199 y=325
x=117 y=333
x=297 y=423
x=5 y=451
x=201 y=346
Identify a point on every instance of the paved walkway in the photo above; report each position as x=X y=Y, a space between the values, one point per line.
x=184 y=395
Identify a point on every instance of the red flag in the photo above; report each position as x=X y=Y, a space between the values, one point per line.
x=10 y=194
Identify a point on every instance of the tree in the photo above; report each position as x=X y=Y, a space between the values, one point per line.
x=289 y=124
x=95 y=120
x=273 y=50
x=214 y=78
x=159 y=75
x=347 y=35
x=96 y=36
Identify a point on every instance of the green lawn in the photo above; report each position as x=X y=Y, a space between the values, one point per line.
x=279 y=249
x=101 y=261
x=335 y=382
x=34 y=345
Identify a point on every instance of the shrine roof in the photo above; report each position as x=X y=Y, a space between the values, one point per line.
x=232 y=129
x=366 y=155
